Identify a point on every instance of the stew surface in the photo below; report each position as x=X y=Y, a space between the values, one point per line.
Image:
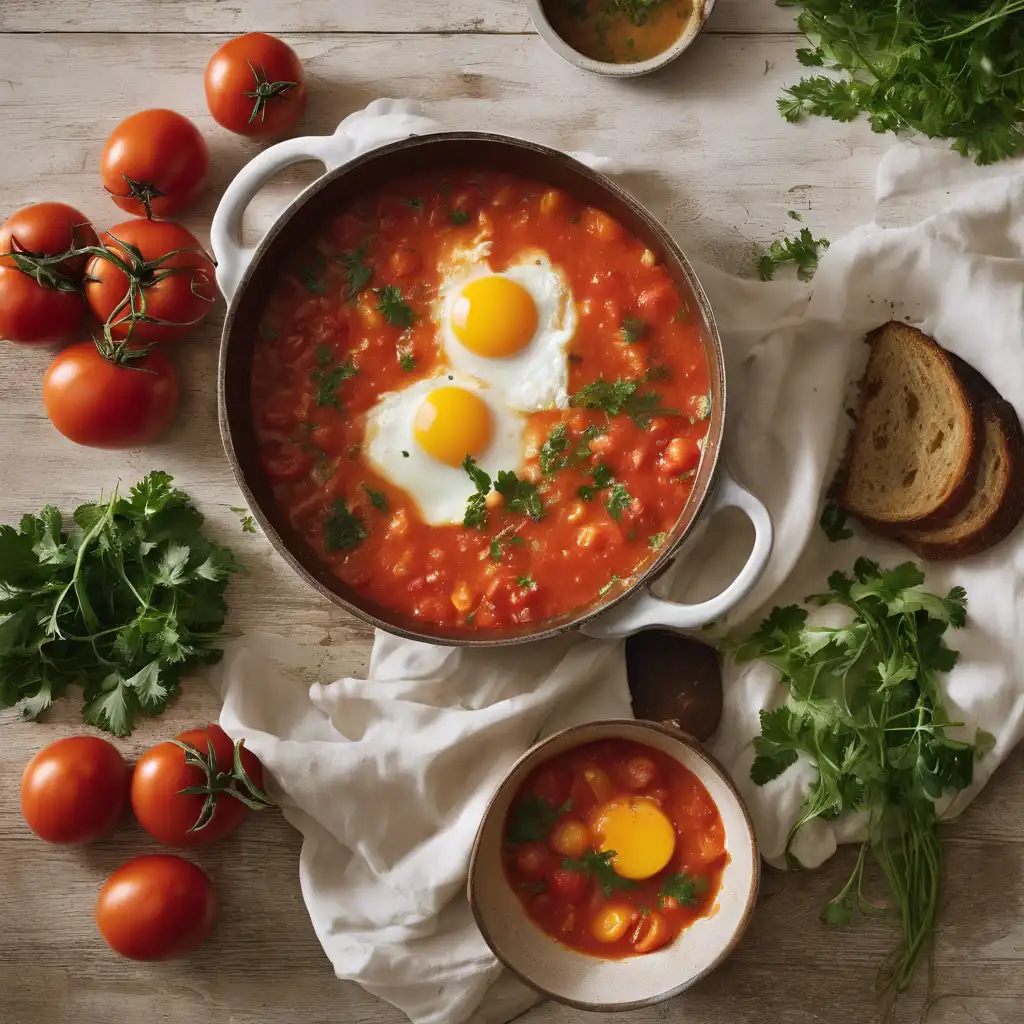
x=480 y=400
x=614 y=848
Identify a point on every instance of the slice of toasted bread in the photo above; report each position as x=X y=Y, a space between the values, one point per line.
x=997 y=504
x=914 y=451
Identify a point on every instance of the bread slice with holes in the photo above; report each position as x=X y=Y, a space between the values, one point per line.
x=914 y=451
x=996 y=504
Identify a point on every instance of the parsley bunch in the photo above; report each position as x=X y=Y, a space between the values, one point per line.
x=952 y=69
x=866 y=708
x=123 y=605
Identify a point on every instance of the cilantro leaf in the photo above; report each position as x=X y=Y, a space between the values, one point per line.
x=495 y=551
x=344 y=530
x=527 y=582
x=476 y=507
x=617 y=501
x=532 y=819
x=553 y=450
x=328 y=381
x=621 y=396
x=406 y=360
x=520 y=495
x=633 y=329
x=357 y=273
x=802 y=251
x=599 y=867
x=459 y=217
x=683 y=888
x=378 y=499
x=656 y=541
x=833 y=522
x=393 y=307
x=312 y=274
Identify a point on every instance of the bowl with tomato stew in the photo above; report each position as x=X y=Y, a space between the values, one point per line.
x=615 y=866
x=619 y=38
x=473 y=392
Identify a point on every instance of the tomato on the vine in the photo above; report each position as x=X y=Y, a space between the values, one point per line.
x=35 y=314
x=255 y=86
x=46 y=229
x=156 y=907
x=196 y=788
x=155 y=162
x=74 y=790
x=153 y=283
x=108 y=396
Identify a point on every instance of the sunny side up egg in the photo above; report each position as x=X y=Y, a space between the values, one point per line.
x=509 y=328
x=418 y=438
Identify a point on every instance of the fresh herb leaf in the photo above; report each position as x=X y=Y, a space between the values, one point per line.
x=599 y=867
x=378 y=499
x=416 y=204
x=393 y=307
x=532 y=819
x=633 y=329
x=406 y=360
x=357 y=273
x=866 y=709
x=247 y=522
x=552 y=452
x=125 y=604
x=656 y=541
x=638 y=11
x=328 y=381
x=802 y=251
x=617 y=501
x=343 y=530
x=793 y=215
x=459 y=217
x=621 y=396
x=608 y=586
x=323 y=355
x=945 y=68
x=528 y=582
x=682 y=888
x=476 y=507
x=496 y=553
x=520 y=495
x=833 y=522
x=313 y=274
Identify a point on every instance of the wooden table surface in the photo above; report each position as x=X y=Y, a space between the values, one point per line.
x=713 y=159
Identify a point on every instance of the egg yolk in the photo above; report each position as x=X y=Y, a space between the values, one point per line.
x=451 y=424
x=494 y=316
x=638 y=832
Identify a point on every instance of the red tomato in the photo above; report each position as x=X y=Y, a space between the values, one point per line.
x=47 y=229
x=155 y=162
x=533 y=861
x=32 y=314
x=74 y=790
x=156 y=907
x=568 y=885
x=255 y=86
x=95 y=400
x=161 y=774
x=552 y=784
x=177 y=300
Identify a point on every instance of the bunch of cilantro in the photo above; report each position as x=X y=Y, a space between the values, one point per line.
x=865 y=707
x=122 y=606
x=952 y=69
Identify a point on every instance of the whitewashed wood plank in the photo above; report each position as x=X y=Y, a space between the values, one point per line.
x=234 y=16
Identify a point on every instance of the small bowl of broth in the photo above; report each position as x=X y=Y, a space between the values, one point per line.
x=619 y=38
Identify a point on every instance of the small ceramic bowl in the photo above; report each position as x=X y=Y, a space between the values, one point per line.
x=702 y=11
x=588 y=982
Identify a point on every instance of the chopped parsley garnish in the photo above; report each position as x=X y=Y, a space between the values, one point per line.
x=802 y=251
x=602 y=477
x=553 y=449
x=343 y=530
x=598 y=866
x=459 y=217
x=324 y=356
x=527 y=581
x=245 y=519
x=617 y=501
x=406 y=360
x=793 y=215
x=517 y=540
x=683 y=888
x=520 y=495
x=608 y=586
x=656 y=541
x=357 y=273
x=476 y=507
x=496 y=553
x=622 y=396
x=393 y=307
x=328 y=381
x=659 y=371
x=633 y=329
x=532 y=820
x=312 y=274
x=378 y=499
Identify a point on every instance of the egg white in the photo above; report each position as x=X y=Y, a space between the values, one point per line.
x=439 y=491
x=537 y=377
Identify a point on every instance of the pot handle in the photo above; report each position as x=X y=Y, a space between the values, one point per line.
x=645 y=611
x=226 y=230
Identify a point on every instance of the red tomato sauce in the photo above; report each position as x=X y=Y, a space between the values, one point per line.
x=322 y=321
x=554 y=845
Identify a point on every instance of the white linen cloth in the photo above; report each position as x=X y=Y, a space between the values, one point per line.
x=387 y=778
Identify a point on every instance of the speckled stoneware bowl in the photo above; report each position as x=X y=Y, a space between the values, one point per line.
x=585 y=981
x=702 y=11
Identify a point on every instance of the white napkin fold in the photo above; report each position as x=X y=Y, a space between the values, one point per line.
x=387 y=778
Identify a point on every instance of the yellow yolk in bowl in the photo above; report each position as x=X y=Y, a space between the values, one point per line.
x=453 y=423
x=638 y=832
x=494 y=316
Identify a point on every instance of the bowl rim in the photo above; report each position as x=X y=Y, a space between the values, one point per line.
x=609 y=69
x=686 y=740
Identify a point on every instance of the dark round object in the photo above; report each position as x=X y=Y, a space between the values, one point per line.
x=675 y=680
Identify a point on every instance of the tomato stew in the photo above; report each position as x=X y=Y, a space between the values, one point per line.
x=614 y=848
x=602 y=475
